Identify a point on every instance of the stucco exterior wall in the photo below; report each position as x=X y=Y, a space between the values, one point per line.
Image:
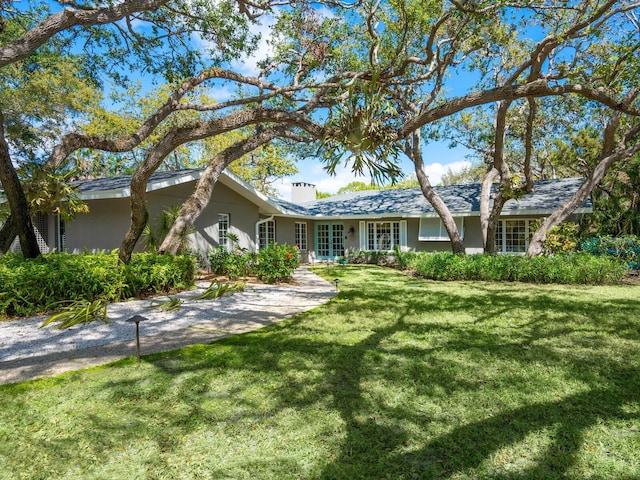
x=103 y=228
x=108 y=220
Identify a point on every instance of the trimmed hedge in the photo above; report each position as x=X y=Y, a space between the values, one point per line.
x=31 y=286
x=564 y=269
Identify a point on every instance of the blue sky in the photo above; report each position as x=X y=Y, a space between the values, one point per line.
x=439 y=158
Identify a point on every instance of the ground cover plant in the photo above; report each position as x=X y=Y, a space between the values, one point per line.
x=33 y=286
x=397 y=377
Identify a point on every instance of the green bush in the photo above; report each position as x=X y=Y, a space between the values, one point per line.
x=370 y=257
x=276 y=263
x=565 y=269
x=626 y=248
x=32 y=286
x=235 y=264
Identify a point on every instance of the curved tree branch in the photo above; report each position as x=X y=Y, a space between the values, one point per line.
x=69 y=18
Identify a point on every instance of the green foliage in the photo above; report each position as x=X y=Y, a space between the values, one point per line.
x=395 y=378
x=172 y=304
x=235 y=262
x=363 y=125
x=154 y=235
x=563 y=269
x=360 y=257
x=32 y=286
x=79 y=311
x=562 y=238
x=402 y=259
x=616 y=208
x=49 y=191
x=625 y=248
x=276 y=263
x=216 y=289
x=357 y=186
x=320 y=195
x=263 y=167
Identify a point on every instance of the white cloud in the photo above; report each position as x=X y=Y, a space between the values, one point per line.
x=436 y=170
x=315 y=173
x=248 y=65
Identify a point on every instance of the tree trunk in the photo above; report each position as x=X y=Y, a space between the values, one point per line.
x=18 y=204
x=192 y=208
x=199 y=199
x=7 y=233
x=488 y=231
x=198 y=131
x=578 y=198
x=434 y=199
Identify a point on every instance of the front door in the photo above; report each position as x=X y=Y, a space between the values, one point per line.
x=329 y=240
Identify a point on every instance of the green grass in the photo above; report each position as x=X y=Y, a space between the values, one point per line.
x=396 y=378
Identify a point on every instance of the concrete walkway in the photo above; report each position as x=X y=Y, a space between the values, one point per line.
x=28 y=351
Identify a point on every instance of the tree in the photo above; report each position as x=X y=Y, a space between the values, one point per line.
x=469 y=174
x=165 y=47
x=587 y=53
x=263 y=167
x=356 y=186
x=378 y=80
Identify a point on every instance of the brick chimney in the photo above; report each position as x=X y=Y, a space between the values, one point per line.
x=302 y=192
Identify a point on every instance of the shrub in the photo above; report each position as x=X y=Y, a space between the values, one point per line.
x=235 y=264
x=370 y=257
x=276 y=263
x=626 y=248
x=32 y=286
x=562 y=238
x=565 y=269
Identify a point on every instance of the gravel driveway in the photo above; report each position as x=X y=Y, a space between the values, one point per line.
x=28 y=351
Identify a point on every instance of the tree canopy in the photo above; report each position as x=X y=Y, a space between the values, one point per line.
x=359 y=83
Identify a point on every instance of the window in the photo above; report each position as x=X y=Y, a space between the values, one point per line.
x=383 y=236
x=301 y=235
x=512 y=236
x=266 y=233
x=223 y=230
x=61 y=234
x=432 y=229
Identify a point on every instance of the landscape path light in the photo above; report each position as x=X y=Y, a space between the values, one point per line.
x=137 y=319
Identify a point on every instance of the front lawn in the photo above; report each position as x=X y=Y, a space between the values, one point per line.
x=396 y=378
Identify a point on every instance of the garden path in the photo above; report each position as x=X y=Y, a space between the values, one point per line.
x=28 y=351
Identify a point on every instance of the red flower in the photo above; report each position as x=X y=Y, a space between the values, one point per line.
x=288 y=256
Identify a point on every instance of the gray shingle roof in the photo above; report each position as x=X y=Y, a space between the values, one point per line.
x=124 y=181
x=461 y=199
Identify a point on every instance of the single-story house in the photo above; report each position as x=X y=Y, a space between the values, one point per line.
x=374 y=220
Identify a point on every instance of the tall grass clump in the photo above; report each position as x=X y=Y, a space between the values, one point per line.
x=33 y=286
x=562 y=269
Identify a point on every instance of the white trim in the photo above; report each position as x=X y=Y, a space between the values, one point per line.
x=260 y=222
x=443 y=235
x=304 y=232
x=404 y=244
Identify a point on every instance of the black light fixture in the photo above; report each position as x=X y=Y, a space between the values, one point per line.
x=352 y=230
x=137 y=319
